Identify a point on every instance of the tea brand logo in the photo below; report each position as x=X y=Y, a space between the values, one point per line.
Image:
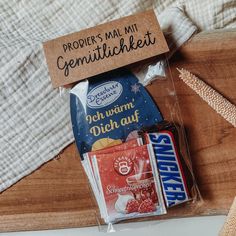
x=104 y=94
x=123 y=165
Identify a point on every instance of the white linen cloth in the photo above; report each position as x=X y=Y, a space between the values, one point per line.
x=34 y=118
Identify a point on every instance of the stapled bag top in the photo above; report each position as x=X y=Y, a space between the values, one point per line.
x=105 y=47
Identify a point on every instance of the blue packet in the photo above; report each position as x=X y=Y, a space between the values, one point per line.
x=110 y=109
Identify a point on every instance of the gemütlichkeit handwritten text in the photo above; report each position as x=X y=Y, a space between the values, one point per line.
x=103 y=51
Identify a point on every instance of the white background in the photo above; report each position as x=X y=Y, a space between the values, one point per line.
x=195 y=226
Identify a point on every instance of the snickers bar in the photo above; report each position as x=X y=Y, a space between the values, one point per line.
x=169 y=162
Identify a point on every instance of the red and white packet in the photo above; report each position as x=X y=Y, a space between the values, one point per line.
x=128 y=184
x=88 y=167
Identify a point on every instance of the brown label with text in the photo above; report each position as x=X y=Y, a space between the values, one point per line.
x=104 y=47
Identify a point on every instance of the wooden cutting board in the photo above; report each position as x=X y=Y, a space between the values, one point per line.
x=57 y=195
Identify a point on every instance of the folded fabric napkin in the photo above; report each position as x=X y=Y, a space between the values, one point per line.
x=35 y=120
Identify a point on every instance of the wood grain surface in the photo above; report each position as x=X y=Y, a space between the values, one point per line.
x=57 y=195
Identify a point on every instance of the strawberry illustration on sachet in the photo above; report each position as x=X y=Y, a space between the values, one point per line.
x=129 y=183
